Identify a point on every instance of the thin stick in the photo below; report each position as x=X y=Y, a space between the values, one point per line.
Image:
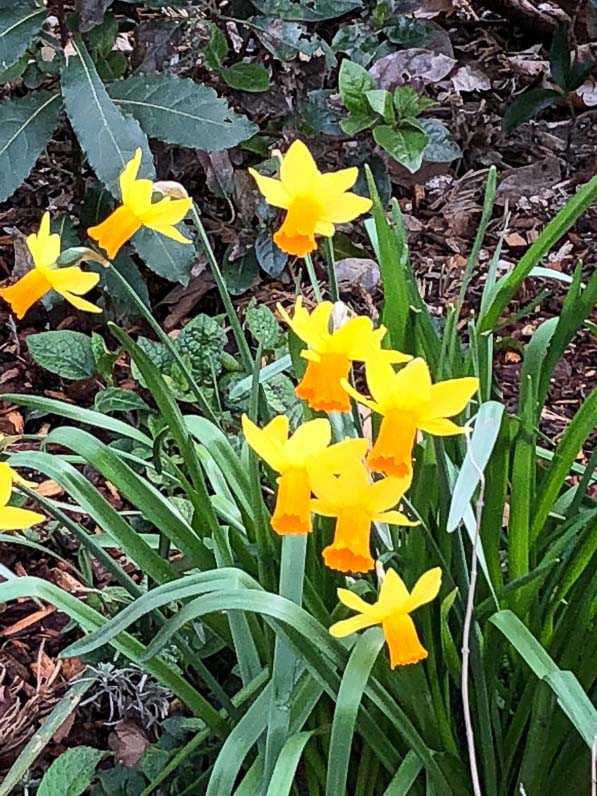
x=468 y=620
x=313 y=277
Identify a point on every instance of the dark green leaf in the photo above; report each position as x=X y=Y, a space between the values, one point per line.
x=353 y=83
x=263 y=325
x=406 y=145
x=66 y=353
x=560 y=57
x=202 y=341
x=247 y=77
x=19 y=23
x=216 y=49
x=441 y=147
x=579 y=73
x=71 y=773
x=380 y=101
x=357 y=40
x=527 y=105
x=306 y=10
x=26 y=126
x=102 y=38
x=272 y=259
x=355 y=123
x=179 y=111
x=241 y=274
x=116 y=399
x=285 y=40
x=108 y=138
x=166 y=257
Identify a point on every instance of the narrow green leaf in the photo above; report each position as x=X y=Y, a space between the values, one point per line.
x=18 y=26
x=284 y=774
x=405 y=777
x=527 y=105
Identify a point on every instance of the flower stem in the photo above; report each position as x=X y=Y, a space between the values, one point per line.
x=168 y=342
x=313 y=278
x=331 y=262
x=241 y=341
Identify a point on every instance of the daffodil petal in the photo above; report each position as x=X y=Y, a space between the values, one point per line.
x=166 y=212
x=325 y=228
x=337 y=182
x=277 y=429
x=344 y=208
x=168 y=231
x=15 y=519
x=6 y=479
x=23 y=294
x=395 y=518
x=382 y=382
x=73 y=279
x=393 y=594
x=403 y=641
x=448 y=398
x=342 y=455
x=440 y=427
x=359 y=397
x=354 y=602
x=298 y=172
x=425 y=589
x=386 y=493
x=44 y=246
x=310 y=439
x=266 y=447
x=79 y=303
x=413 y=384
x=129 y=175
x=347 y=627
x=273 y=191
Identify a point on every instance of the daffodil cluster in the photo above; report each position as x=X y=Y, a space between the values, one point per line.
x=356 y=481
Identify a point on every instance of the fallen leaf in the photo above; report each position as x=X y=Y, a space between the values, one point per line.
x=27 y=621
x=358 y=271
x=470 y=78
x=128 y=742
x=406 y=66
x=526 y=181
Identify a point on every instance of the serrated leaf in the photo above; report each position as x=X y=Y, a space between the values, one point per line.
x=441 y=147
x=202 y=342
x=353 y=83
x=262 y=324
x=179 y=111
x=26 y=126
x=272 y=259
x=527 y=105
x=108 y=138
x=246 y=77
x=71 y=773
x=406 y=145
x=165 y=257
x=117 y=399
x=66 y=353
x=306 y=10
x=18 y=26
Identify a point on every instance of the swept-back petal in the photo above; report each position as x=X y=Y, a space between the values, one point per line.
x=413 y=384
x=384 y=494
x=348 y=626
x=393 y=594
x=298 y=172
x=270 y=450
x=129 y=175
x=448 y=398
x=342 y=455
x=14 y=519
x=308 y=440
x=168 y=231
x=395 y=518
x=166 y=212
x=73 y=279
x=440 y=427
x=360 y=398
x=425 y=589
x=325 y=228
x=6 y=479
x=382 y=382
x=346 y=207
x=336 y=182
x=277 y=429
x=353 y=338
x=44 y=246
x=355 y=603
x=273 y=191
x=78 y=302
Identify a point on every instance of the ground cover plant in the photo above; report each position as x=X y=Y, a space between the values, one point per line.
x=303 y=547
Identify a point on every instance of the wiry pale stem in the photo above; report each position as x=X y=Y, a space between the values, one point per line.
x=466 y=633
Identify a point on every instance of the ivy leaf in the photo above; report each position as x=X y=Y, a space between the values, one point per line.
x=527 y=105
x=66 y=353
x=306 y=10
x=71 y=773
x=406 y=145
x=179 y=111
x=26 y=126
x=246 y=77
x=108 y=138
x=441 y=147
x=19 y=22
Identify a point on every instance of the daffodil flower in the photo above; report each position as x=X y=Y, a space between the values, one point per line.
x=138 y=210
x=392 y=611
x=292 y=457
x=314 y=201
x=356 y=503
x=12 y=518
x=71 y=282
x=331 y=352
x=409 y=401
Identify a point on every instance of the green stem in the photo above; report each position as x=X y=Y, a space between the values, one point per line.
x=167 y=341
x=241 y=341
x=331 y=262
x=292 y=573
x=313 y=278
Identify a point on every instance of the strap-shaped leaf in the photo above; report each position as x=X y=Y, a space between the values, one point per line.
x=19 y=22
x=26 y=126
x=108 y=138
x=180 y=111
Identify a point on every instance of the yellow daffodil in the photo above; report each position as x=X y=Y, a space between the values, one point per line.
x=409 y=401
x=12 y=518
x=314 y=201
x=331 y=351
x=392 y=611
x=71 y=282
x=356 y=503
x=138 y=210
x=292 y=457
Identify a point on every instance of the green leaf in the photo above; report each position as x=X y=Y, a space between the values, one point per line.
x=68 y=354
x=381 y=102
x=284 y=773
x=353 y=83
x=241 y=274
x=72 y=772
x=406 y=145
x=560 y=57
x=179 y=111
x=166 y=257
x=306 y=10
x=441 y=147
x=263 y=325
x=108 y=138
x=528 y=105
x=26 y=126
x=356 y=123
x=117 y=399
x=408 y=103
x=216 y=49
x=285 y=40
x=272 y=259
x=246 y=77
x=202 y=341
x=18 y=26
